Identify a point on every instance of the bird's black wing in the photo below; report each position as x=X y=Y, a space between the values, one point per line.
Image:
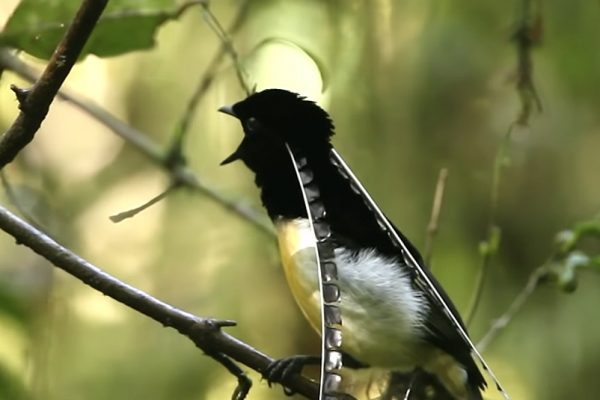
x=354 y=215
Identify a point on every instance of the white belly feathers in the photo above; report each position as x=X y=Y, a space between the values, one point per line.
x=381 y=312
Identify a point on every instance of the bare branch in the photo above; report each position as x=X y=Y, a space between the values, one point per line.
x=34 y=103
x=432 y=228
x=502 y=322
x=223 y=36
x=527 y=35
x=135 y=211
x=180 y=174
x=205 y=333
x=560 y=268
x=209 y=75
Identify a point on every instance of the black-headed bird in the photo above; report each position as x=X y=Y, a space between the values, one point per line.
x=390 y=318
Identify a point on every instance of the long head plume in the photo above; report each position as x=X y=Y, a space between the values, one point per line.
x=331 y=319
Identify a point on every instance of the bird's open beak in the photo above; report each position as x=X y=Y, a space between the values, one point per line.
x=233 y=157
x=228 y=110
x=236 y=155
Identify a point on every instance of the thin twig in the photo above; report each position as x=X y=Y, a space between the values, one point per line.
x=433 y=226
x=502 y=322
x=123 y=215
x=205 y=333
x=142 y=143
x=489 y=247
x=34 y=103
x=528 y=34
x=560 y=268
x=216 y=26
x=208 y=76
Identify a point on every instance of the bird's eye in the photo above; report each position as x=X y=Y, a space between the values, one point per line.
x=252 y=124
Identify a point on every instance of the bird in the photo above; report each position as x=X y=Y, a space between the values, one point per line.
x=391 y=319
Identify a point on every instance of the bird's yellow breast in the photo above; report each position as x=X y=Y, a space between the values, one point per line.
x=297 y=249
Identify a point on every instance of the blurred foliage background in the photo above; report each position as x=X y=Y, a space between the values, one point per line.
x=413 y=86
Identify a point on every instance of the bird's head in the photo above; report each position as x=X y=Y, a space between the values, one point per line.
x=273 y=117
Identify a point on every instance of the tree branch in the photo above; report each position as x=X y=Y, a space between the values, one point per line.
x=205 y=333
x=560 y=268
x=34 y=103
x=180 y=174
x=502 y=322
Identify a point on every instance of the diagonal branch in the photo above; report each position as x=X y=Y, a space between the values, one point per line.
x=205 y=333
x=502 y=322
x=215 y=25
x=34 y=103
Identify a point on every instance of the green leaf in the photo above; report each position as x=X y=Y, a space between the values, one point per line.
x=36 y=26
x=568 y=239
x=588 y=229
x=564 y=271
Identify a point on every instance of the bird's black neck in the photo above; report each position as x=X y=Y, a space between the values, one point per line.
x=280 y=191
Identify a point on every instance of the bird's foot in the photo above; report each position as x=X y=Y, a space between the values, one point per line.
x=280 y=370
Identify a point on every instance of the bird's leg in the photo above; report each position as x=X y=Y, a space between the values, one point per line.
x=281 y=369
x=351 y=362
x=244 y=383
